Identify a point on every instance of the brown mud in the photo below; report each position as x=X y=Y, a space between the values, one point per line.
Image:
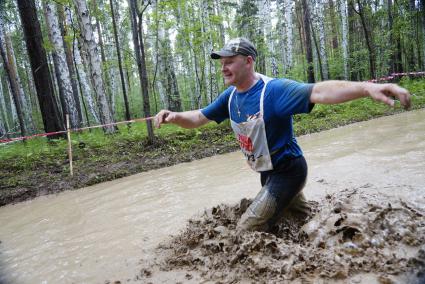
x=349 y=234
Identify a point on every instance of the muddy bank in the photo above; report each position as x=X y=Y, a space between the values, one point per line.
x=27 y=176
x=20 y=181
x=350 y=234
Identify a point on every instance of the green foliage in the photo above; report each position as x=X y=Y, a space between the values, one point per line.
x=96 y=146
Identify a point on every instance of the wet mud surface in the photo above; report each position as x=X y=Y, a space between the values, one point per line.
x=349 y=234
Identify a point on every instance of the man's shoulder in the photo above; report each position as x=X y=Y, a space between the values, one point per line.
x=224 y=96
x=276 y=84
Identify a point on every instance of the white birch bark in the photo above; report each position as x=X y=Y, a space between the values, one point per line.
x=90 y=48
x=169 y=76
x=4 y=125
x=15 y=122
x=85 y=86
x=86 y=91
x=222 y=28
x=25 y=105
x=161 y=69
x=210 y=70
x=342 y=5
x=287 y=11
x=319 y=21
x=112 y=74
x=158 y=81
x=265 y=16
x=153 y=41
x=12 y=98
x=63 y=77
x=31 y=87
x=196 y=95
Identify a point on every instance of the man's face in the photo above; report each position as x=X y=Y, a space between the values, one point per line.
x=235 y=69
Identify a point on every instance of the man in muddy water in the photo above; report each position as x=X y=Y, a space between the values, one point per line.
x=260 y=110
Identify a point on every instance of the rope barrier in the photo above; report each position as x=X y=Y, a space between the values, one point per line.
x=10 y=140
x=395 y=75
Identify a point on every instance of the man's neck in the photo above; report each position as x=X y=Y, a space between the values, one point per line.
x=248 y=83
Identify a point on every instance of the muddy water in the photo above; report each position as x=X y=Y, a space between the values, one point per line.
x=101 y=232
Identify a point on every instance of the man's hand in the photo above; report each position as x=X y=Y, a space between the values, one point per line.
x=185 y=119
x=387 y=93
x=336 y=92
x=163 y=117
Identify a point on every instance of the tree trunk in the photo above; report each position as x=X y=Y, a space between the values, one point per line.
x=368 y=39
x=345 y=45
x=210 y=70
x=169 y=80
x=39 y=67
x=13 y=83
x=8 y=101
x=61 y=65
x=4 y=124
x=321 y=44
x=265 y=26
x=390 y=28
x=287 y=8
x=319 y=59
x=90 y=48
x=69 y=61
x=309 y=49
x=422 y=2
x=25 y=106
x=82 y=78
x=141 y=63
x=192 y=58
x=105 y=70
x=117 y=44
x=354 y=73
x=333 y=22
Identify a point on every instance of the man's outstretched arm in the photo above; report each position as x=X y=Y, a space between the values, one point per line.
x=186 y=119
x=334 y=92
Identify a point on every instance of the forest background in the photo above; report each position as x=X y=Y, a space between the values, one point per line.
x=102 y=61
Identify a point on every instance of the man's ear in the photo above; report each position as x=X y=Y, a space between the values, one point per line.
x=249 y=59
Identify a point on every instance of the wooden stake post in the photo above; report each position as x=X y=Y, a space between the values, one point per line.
x=68 y=131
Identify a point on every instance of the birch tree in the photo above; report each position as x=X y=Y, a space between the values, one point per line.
x=90 y=48
x=25 y=105
x=136 y=26
x=307 y=39
x=100 y=19
x=3 y=111
x=367 y=34
x=81 y=74
x=59 y=57
x=209 y=69
x=118 y=49
x=69 y=59
x=342 y=4
x=12 y=79
x=191 y=58
x=11 y=115
x=319 y=22
x=265 y=16
x=168 y=76
x=286 y=8
x=84 y=85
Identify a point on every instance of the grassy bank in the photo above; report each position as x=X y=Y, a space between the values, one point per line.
x=41 y=167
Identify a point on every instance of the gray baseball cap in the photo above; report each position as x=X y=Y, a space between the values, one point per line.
x=234 y=47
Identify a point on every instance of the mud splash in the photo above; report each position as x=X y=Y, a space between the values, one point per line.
x=349 y=234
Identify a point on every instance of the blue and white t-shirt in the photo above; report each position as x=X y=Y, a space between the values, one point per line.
x=282 y=99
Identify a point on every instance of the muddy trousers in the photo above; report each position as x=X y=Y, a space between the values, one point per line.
x=280 y=192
